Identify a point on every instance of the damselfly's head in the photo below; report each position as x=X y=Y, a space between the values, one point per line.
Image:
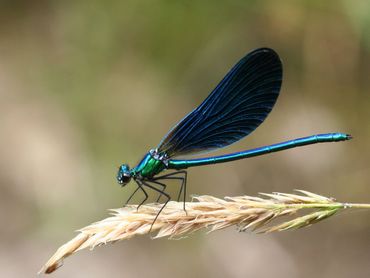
x=124 y=175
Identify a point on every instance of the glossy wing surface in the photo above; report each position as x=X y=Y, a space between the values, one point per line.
x=236 y=107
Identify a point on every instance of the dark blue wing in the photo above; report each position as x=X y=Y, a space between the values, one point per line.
x=236 y=107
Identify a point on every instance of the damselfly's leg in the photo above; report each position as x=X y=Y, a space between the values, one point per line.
x=146 y=183
x=164 y=186
x=183 y=179
x=132 y=195
x=146 y=196
x=140 y=185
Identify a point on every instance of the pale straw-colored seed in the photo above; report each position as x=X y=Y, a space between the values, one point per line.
x=244 y=212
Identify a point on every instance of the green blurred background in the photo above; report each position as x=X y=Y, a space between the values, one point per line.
x=88 y=85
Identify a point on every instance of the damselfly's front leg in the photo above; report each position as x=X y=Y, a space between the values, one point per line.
x=146 y=183
x=132 y=195
x=140 y=185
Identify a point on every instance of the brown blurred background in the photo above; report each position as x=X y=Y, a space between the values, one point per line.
x=87 y=85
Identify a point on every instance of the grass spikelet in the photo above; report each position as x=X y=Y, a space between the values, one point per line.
x=244 y=212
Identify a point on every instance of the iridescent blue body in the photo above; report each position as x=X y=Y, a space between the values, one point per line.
x=313 y=139
x=151 y=165
x=236 y=107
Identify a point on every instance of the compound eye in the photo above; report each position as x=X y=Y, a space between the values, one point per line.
x=124 y=175
x=123 y=179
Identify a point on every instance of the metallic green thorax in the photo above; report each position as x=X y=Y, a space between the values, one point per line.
x=149 y=166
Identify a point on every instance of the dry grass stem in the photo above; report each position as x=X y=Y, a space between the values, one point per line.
x=245 y=212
